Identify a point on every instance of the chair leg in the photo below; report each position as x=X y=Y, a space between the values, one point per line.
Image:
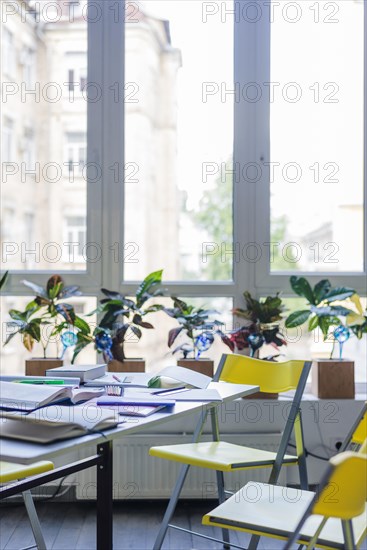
x=348 y=535
x=222 y=498
x=171 y=507
x=254 y=541
x=34 y=521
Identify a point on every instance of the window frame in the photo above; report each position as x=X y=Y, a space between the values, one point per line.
x=251 y=202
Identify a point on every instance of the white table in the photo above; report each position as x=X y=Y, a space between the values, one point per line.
x=25 y=452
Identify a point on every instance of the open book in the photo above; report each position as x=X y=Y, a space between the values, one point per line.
x=168 y=377
x=56 y=422
x=28 y=397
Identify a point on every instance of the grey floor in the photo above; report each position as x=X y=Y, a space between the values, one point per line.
x=71 y=526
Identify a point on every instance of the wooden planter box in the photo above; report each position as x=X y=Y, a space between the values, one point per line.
x=38 y=366
x=129 y=365
x=205 y=366
x=333 y=379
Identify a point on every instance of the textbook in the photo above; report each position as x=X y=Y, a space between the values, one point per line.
x=28 y=397
x=56 y=422
x=84 y=372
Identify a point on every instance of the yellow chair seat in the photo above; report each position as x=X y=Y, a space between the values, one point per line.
x=219 y=455
x=11 y=472
x=275 y=511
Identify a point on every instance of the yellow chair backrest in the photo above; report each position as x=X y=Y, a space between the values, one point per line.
x=360 y=433
x=269 y=375
x=345 y=494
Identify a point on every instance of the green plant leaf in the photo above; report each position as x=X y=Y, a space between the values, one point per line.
x=38 y=290
x=321 y=289
x=28 y=342
x=53 y=286
x=313 y=323
x=144 y=289
x=111 y=295
x=339 y=293
x=302 y=287
x=68 y=291
x=82 y=325
x=66 y=311
x=326 y=322
x=340 y=310
x=136 y=331
x=172 y=335
x=297 y=318
x=4 y=279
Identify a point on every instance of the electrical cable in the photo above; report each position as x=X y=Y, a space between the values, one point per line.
x=39 y=498
x=309 y=453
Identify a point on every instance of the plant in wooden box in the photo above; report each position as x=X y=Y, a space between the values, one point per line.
x=44 y=319
x=199 y=330
x=121 y=317
x=326 y=308
x=260 y=326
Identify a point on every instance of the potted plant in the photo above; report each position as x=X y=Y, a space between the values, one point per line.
x=260 y=325
x=122 y=317
x=199 y=332
x=44 y=318
x=326 y=308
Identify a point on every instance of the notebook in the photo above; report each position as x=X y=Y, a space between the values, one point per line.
x=56 y=422
x=28 y=397
x=135 y=405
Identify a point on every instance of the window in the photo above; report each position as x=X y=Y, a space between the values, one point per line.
x=75 y=234
x=28 y=60
x=179 y=142
x=199 y=172
x=76 y=151
x=27 y=146
x=320 y=173
x=77 y=71
x=7 y=147
x=8 y=53
x=44 y=140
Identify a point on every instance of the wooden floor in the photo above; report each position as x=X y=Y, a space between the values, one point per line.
x=71 y=526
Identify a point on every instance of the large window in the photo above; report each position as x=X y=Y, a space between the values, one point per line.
x=220 y=141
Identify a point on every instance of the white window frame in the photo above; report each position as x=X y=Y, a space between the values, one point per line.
x=251 y=204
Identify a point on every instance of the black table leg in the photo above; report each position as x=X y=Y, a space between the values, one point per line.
x=104 y=498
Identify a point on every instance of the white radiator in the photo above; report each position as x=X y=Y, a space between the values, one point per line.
x=137 y=475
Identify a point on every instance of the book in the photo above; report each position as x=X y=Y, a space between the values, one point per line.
x=56 y=422
x=184 y=394
x=66 y=381
x=25 y=397
x=84 y=372
x=131 y=379
x=169 y=378
x=135 y=400
x=135 y=405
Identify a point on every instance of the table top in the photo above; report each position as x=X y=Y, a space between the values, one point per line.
x=25 y=452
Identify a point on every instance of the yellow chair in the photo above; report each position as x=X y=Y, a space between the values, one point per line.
x=226 y=457
x=357 y=435
x=13 y=472
x=321 y=520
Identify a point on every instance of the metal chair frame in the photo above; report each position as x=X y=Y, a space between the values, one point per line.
x=294 y=421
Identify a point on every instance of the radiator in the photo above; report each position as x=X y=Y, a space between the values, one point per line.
x=136 y=475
